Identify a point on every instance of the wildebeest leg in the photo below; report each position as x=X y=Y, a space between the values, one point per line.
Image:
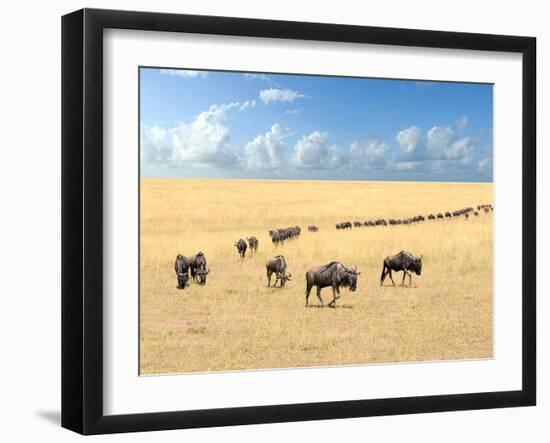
x=410 y=279
x=391 y=278
x=319 y=295
x=308 y=290
x=334 y=298
x=404 y=275
x=383 y=277
x=268 y=279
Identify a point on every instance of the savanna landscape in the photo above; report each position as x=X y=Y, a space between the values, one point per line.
x=235 y=322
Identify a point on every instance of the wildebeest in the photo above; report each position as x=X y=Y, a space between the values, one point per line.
x=344 y=225
x=181 y=266
x=241 y=247
x=448 y=214
x=276 y=238
x=278 y=266
x=403 y=261
x=199 y=270
x=312 y=228
x=252 y=244
x=431 y=217
x=332 y=274
x=439 y=215
x=282 y=234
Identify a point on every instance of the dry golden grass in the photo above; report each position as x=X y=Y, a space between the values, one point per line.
x=235 y=322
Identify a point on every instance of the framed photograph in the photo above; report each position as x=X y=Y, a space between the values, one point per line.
x=269 y=221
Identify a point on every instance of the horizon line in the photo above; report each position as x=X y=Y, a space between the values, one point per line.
x=314 y=179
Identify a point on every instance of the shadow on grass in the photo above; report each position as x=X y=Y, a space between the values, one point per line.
x=344 y=306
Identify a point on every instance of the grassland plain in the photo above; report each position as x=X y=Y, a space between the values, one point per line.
x=235 y=322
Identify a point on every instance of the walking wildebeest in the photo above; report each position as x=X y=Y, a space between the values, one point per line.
x=312 y=228
x=332 y=274
x=278 y=266
x=404 y=261
x=197 y=265
x=241 y=247
x=252 y=244
x=181 y=266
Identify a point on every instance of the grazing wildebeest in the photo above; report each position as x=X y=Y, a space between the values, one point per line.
x=332 y=274
x=253 y=244
x=181 y=266
x=431 y=217
x=476 y=213
x=448 y=214
x=344 y=225
x=440 y=215
x=199 y=270
x=241 y=247
x=404 y=261
x=312 y=228
x=278 y=266
x=276 y=238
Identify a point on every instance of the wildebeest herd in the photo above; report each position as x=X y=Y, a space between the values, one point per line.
x=196 y=265
x=466 y=212
x=282 y=234
x=334 y=273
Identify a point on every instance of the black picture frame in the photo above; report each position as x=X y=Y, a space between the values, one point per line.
x=82 y=219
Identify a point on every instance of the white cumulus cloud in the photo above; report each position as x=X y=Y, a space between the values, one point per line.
x=184 y=73
x=205 y=140
x=279 y=95
x=247 y=104
x=408 y=141
x=313 y=152
x=368 y=153
x=266 y=151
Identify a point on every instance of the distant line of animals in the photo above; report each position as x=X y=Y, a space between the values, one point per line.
x=417 y=218
x=282 y=234
x=334 y=274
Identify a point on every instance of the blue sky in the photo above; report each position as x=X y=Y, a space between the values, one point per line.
x=236 y=125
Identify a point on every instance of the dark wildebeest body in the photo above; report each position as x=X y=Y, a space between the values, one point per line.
x=312 y=228
x=197 y=265
x=278 y=266
x=404 y=261
x=241 y=247
x=181 y=266
x=252 y=244
x=333 y=274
